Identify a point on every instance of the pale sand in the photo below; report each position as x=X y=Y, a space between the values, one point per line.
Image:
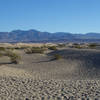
x=39 y=78
x=26 y=44
x=6 y=71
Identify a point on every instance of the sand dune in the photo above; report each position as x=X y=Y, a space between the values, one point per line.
x=6 y=71
x=89 y=61
x=75 y=77
x=76 y=64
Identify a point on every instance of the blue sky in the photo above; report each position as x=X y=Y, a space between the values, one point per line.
x=76 y=16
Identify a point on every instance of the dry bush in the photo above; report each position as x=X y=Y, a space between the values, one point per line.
x=21 y=47
x=10 y=48
x=1 y=54
x=28 y=51
x=52 y=48
x=44 y=46
x=14 y=57
x=57 y=56
x=2 y=49
x=78 y=47
x=37 y=50
x=34 y=50
x=92 y=45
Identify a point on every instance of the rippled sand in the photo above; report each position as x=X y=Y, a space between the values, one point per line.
x=38 y=77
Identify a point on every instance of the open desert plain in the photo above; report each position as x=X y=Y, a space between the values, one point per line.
x=49 y=49
x=49 y=71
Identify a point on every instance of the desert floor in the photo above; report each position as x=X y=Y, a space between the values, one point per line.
x=38 y=77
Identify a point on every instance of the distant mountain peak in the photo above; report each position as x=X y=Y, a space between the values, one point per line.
x=18 y=30
x=38 y=36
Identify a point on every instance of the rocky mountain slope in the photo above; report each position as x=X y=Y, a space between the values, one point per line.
x=37 y=36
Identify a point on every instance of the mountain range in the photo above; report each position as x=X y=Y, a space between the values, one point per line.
x=38 y=36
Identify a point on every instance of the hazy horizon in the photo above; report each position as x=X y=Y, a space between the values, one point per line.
x=47 y=31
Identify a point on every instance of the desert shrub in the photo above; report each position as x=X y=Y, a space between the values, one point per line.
x=21 y=47
x=44 y=46
x=92 y=45
x=36 y=47
x=57 y=56
x=1 y=54
x=34 y=50
x=10 y=48
x=15 y=58
x=37 y=50
x=24 y=47
x=52 y=48
x=78 y=46
x=28 y=51
x=2 y=49
x=16 y=48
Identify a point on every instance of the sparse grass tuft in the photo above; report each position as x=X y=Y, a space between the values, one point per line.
x=1 y=54
x=34 y=50
x=37 y=50
x=57 y=56
x=21 y=47
x=78 y=46
x=28 y=51
x=2 y=49
x=92 y=45
x=15 y=58
x=52 y=48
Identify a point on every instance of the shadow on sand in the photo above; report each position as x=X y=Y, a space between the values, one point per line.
x=5 y=63
x=89 y=57
x=52 y=59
